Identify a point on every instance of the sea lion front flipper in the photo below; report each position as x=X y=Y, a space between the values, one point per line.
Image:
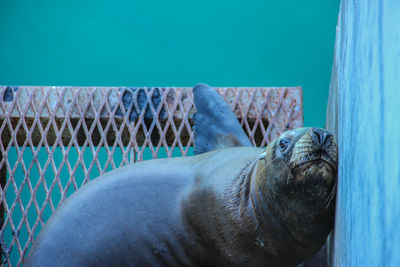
x=215 y=125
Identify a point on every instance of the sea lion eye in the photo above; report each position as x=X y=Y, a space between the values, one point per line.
x=283 y=143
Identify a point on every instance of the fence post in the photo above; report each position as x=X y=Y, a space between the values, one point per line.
x=3 y=177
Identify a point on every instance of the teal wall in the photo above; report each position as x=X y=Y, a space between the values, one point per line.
x=171 y=43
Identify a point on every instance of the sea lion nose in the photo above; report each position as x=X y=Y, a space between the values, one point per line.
x=320 y=136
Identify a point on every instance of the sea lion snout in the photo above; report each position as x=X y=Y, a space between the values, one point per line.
x=320 y=136
x=315 y=146
x=311 y=158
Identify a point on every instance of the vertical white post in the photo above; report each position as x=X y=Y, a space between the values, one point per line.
x=364 y=112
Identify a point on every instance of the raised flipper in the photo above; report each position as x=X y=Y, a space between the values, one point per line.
x=215 y=125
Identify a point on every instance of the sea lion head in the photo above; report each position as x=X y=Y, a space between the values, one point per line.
x=303 y=162
x=294 y=192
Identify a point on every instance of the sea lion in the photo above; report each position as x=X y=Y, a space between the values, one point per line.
x=230 y=207
x=216 y=127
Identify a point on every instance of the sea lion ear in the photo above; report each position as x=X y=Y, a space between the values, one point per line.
x=215 y=125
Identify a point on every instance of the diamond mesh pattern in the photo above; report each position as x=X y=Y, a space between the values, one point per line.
x=54 y=139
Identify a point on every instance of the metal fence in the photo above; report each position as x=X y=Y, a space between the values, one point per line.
x=54 y=139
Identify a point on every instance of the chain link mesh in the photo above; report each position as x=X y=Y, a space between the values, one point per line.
x=54 y=139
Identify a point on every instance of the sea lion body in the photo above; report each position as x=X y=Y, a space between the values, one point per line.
x=213 y=209
x=133 y=216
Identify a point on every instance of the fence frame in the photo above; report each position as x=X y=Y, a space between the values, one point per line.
x=40 y=116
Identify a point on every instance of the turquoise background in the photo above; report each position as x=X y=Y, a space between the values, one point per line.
x=171 y=43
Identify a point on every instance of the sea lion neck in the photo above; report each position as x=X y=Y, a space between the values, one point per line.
x=245 y=215
x=285 y=213
x=260 y=221
x=242 y=188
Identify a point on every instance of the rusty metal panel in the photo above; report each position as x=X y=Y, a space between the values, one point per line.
x=54 y=130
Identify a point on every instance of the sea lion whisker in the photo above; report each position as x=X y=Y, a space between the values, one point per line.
x=331 y=196
x=328 y=202
x=269 y=163
x=288 y=177
x=266 y=166
x=334 y=188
